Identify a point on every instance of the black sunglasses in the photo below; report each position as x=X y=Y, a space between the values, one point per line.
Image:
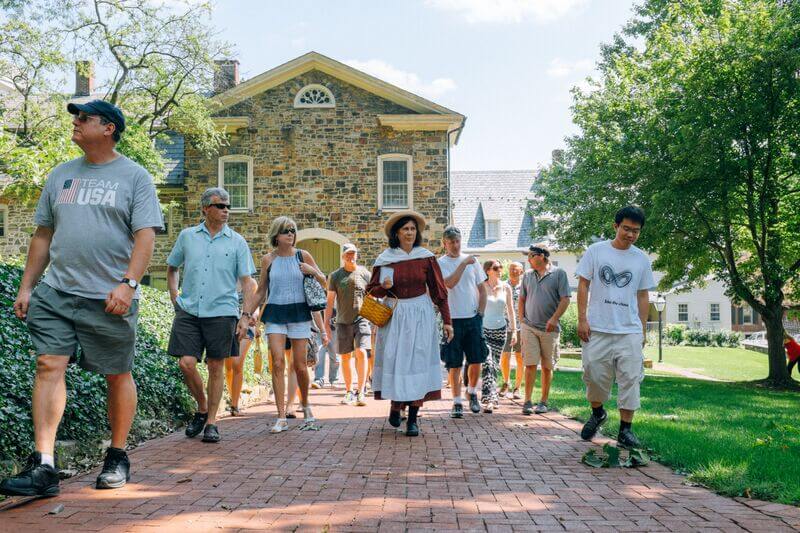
x=497 y=267
x=83 y=117
x=287 y=231
x=220 y=206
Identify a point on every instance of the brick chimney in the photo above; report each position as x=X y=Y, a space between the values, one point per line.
x=84 y=78
x=226 y=75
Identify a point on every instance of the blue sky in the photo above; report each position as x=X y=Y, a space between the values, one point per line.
x=507 y=65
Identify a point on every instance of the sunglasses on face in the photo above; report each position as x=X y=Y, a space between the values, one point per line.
x=497 y=268
x=220 y=206
x=83 y=117
x=287 y=231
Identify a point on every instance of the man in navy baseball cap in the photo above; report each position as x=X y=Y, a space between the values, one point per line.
x=109 y=113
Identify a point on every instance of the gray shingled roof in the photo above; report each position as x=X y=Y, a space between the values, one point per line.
x=504 y=195
x=172 y=150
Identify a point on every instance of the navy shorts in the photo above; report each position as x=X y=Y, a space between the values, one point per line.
x=468 y=342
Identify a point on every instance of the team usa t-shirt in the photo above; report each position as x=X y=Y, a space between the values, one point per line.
x=616 y=277
x=94 y=211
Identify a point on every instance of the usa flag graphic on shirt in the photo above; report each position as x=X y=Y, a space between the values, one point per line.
x=69 y=192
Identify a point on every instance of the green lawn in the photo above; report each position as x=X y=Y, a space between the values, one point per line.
x=730 y=364
x=736 y=439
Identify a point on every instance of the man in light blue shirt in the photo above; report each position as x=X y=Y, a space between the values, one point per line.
x=213 y=258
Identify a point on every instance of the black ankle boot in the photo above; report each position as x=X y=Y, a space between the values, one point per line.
x=412 y=429
x=394 y=418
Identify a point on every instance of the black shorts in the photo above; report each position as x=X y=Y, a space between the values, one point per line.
x=467 y=341
x=190 y=335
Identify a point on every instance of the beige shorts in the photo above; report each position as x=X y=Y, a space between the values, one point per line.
x=612 y=355
x=539 y=347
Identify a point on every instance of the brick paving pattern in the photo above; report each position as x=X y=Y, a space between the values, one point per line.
x=497 y=472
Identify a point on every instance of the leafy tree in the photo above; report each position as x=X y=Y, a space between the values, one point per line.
x=156 y=62
x=695 y=116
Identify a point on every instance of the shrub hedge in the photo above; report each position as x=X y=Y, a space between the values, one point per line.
x=164 y=400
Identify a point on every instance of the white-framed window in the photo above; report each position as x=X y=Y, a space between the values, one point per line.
x=314 y=95
x=747 y=314
x=492 y=229
x=713 y=312
x=395 y=182
x=3 y=220
x=236 y=177
x=683 y=312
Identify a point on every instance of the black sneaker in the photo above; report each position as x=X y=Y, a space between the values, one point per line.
x=457 y=411
x=196 y=425
x=412 y=429
x=474 y=406
x=592 y=425
x=35 y=479
x=211 y=434
x=116 y=470
x=394 y=419
x=626 y=439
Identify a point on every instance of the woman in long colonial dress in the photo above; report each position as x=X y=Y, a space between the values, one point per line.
x=407 y=369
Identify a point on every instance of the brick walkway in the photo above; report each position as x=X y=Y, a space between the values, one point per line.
x=498 y=472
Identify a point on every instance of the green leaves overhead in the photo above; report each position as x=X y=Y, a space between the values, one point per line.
x=695 y=116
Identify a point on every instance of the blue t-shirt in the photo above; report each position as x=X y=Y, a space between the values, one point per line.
x=211 y=268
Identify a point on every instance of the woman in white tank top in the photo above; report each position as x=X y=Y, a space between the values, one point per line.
x=498 y=318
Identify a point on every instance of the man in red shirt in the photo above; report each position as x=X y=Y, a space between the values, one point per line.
x=792 y=351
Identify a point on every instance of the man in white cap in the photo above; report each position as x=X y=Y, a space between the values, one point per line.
x=346 y=288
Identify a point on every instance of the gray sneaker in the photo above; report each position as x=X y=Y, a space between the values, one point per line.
x=527 y=408
x=540 y=408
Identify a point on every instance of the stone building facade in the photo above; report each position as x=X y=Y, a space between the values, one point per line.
x=322 y=165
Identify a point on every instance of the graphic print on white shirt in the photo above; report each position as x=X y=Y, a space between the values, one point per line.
x=616 y=277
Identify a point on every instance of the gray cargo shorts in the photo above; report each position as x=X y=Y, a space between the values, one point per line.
x=60 y=322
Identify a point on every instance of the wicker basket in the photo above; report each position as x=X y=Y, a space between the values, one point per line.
x=376 y=312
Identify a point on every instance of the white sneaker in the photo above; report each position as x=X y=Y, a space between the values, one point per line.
x=360 y=399
x=348 y=398
x=307 y=415
x=281 y=424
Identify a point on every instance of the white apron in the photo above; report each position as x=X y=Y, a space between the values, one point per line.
x=407 y=352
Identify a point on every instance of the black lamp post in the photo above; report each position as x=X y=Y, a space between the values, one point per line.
x=660 y=304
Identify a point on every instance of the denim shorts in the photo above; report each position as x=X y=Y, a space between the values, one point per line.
x=292 y=330
x=468 y=342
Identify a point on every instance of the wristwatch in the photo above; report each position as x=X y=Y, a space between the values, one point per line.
x=248 y=315
x=132 y=283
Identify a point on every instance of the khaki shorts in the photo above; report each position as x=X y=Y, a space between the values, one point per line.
x=539 y=347
x=613 y=355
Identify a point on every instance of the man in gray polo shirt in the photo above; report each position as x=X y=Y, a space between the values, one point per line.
x=543 y=298
x=95 y=227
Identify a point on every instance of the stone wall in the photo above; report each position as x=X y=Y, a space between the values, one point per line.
x=319 y=166
x=18 y=229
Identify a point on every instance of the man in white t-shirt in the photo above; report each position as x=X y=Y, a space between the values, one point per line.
x=612 y=324
x=466 y=295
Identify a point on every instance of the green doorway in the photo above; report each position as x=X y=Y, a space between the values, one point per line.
x=326 y=253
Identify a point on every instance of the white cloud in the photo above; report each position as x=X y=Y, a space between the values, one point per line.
x=475 y=11
x=560 y=69
x=406 y=80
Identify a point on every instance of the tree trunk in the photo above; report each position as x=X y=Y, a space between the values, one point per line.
x=778 y=376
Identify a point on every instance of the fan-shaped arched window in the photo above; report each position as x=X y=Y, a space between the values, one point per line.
x=314 y=95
